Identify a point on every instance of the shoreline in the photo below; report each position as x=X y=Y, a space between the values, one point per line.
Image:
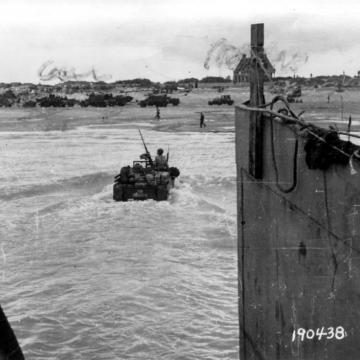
x=186 y=116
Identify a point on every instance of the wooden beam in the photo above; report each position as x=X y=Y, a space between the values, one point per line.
x=256 y=99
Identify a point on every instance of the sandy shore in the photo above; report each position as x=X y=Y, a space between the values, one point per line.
x=184 y=117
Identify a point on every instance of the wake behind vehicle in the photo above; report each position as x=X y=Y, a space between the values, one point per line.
x=144 y=180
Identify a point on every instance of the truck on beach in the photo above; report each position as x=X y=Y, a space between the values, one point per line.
x=159 y=100
x=222 y=100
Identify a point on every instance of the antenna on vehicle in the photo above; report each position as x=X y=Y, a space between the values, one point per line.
x=146 y=150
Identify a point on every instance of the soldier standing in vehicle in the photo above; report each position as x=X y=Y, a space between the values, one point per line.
x=160 y=160
x=202 y=120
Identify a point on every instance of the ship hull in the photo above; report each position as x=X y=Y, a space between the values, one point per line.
x=298 y=250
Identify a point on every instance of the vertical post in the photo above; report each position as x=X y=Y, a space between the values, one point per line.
x=349 y=128
x=256 y=99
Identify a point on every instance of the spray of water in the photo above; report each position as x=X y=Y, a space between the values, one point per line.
x=46 y=73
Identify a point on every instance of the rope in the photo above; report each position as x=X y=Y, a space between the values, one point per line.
x=348 y=134
x=289 y=119
x=293 y=120
x=294 y=182
x=282 y=99
x=261 y=63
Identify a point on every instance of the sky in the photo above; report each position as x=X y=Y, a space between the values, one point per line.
x=167 y=40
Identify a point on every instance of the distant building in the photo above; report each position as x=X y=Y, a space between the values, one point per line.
x=242 y=70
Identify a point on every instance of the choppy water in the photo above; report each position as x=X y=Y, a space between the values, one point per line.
x=83 y=277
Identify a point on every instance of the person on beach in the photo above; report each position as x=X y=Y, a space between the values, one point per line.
x=157 y=116
x=202 y=120
x=160 y=160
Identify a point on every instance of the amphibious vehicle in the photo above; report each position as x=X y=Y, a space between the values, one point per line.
x=144 y=180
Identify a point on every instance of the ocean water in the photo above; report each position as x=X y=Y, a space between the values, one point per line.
x=84 y=277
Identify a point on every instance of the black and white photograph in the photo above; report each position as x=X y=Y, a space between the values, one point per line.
x=179 y=180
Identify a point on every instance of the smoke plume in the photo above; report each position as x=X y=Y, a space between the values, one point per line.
x=67 y=74
x=223 y=54
x=286 y=61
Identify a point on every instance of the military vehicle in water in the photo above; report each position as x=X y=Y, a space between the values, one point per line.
x=144 y=180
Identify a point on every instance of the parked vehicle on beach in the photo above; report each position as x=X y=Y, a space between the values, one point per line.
x=223 y=99
x=159 y=100
x=294 y=94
